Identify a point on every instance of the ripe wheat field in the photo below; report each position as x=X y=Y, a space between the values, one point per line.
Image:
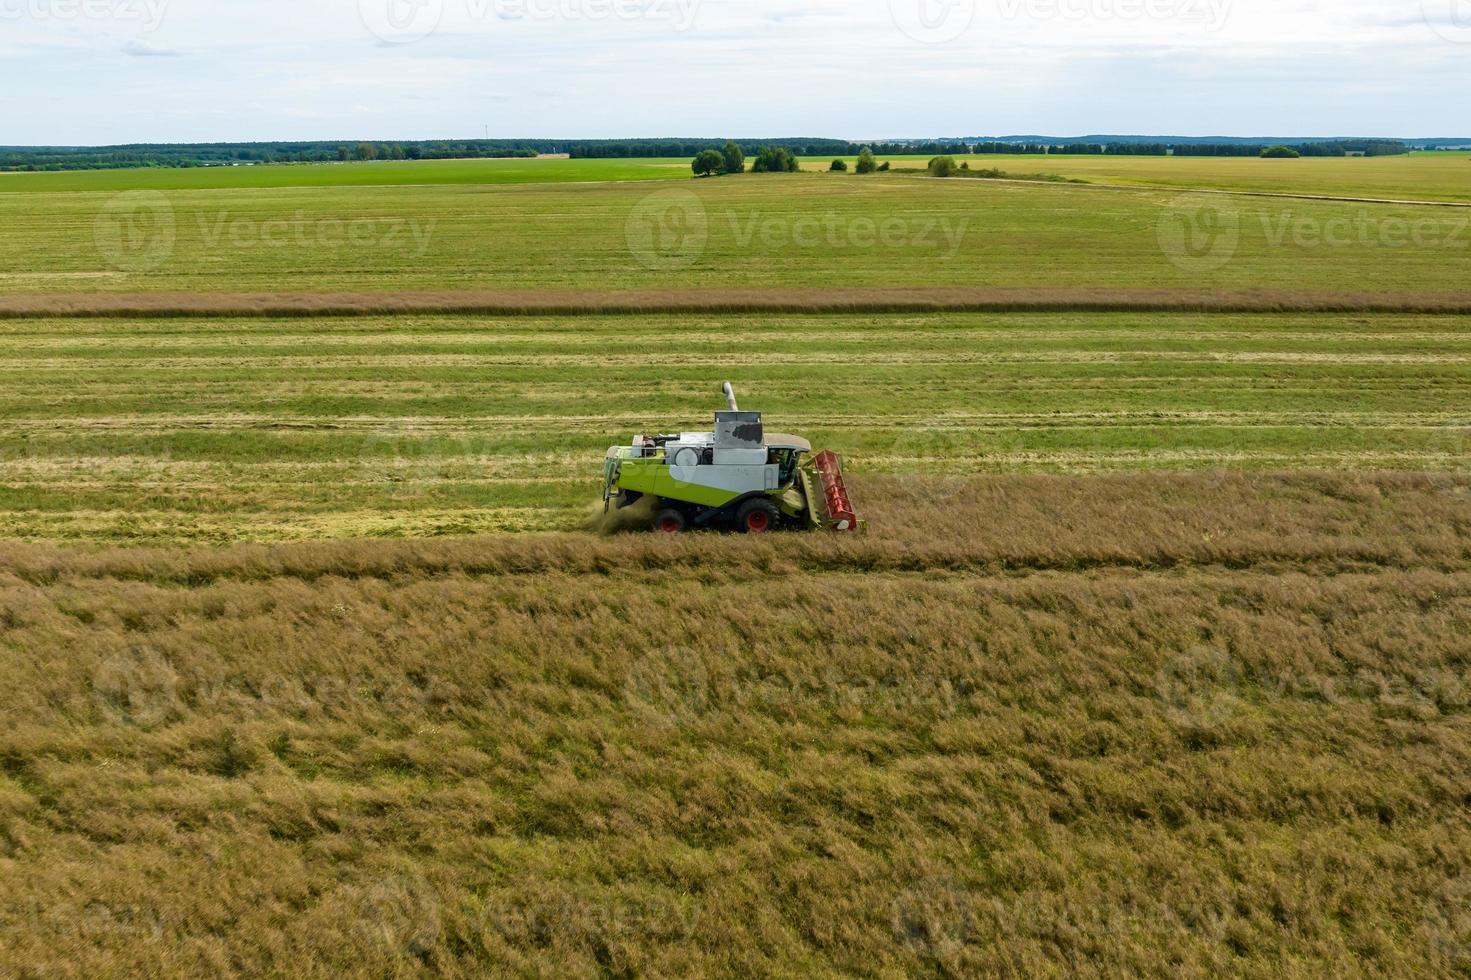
x=1030 y=725
x=1426 y=176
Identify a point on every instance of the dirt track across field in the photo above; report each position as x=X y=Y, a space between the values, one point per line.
x=781 y=300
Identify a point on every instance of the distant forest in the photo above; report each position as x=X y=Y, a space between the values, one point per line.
x=44 y=158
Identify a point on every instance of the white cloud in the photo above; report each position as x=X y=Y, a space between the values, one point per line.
x=143 y=49
x=262 y=69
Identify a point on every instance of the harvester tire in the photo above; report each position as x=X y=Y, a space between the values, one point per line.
x=670 y=521
x=757 y=516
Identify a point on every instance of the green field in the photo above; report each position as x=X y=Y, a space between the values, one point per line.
x=357 y=174
x=756 y=231
x=246 y=429
x=1151 y=661
x=1438 y=176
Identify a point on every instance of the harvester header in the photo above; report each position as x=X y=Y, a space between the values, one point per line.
x=737 y=475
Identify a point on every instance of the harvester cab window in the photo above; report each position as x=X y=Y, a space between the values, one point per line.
x=787 y=460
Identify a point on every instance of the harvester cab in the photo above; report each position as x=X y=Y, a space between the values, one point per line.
x=738 y=475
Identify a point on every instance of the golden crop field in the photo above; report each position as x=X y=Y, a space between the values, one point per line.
x=1431 y=176
x=1156 y=724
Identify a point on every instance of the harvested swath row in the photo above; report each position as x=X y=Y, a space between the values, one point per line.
x=469 y=426
x=712 y=756
x=713 y=362
x=1148 y=521
x=355 y=334
x=837 y=299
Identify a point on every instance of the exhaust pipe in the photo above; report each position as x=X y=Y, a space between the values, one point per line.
x=730 y=396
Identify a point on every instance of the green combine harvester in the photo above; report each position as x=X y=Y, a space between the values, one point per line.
x=737 y=476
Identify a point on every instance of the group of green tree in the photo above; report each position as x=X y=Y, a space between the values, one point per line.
x=729 y=160
x=771 y=160
x=866 y=163
x=945 y=166
x=732 y=160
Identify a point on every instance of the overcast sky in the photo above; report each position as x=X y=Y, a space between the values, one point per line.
x=114 y=71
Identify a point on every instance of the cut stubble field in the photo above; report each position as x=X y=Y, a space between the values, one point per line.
x=222 y=429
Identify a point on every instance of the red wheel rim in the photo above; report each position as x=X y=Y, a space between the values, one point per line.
x=758 y=522
x=669 y=525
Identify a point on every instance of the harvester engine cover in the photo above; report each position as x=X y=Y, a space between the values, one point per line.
x=736 y=476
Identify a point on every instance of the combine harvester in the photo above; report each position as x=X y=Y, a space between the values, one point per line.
x=735 y=476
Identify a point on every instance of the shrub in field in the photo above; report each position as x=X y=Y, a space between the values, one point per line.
x=735 y=158
x=774 y=160
x=839 y=166
x=1280 y=153
x=708 y=162
x=943 y=167
x=866 y=163
x=884 y=167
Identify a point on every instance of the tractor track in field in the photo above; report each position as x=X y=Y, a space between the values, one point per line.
x=980 y=299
